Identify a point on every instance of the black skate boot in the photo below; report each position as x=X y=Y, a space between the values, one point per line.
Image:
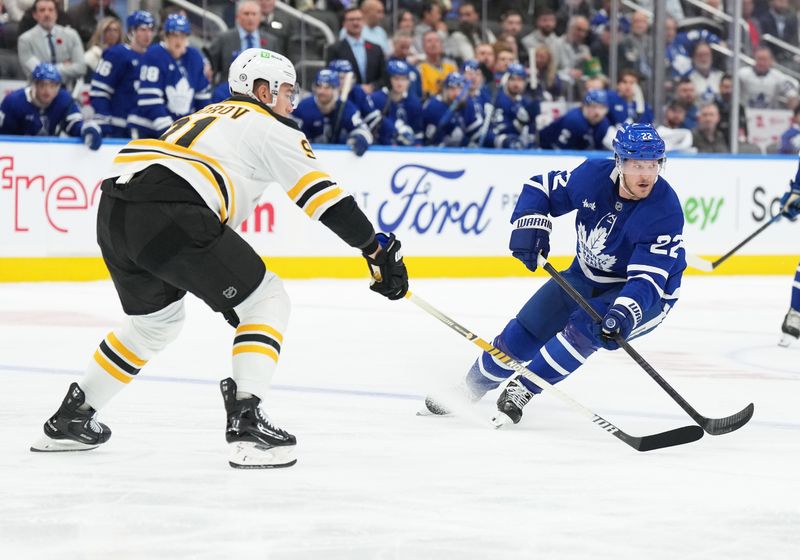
x=256 y=443
x=790 y=328
x=70 y=429
x=510 y=404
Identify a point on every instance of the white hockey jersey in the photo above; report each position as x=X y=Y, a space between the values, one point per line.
x=230 y=152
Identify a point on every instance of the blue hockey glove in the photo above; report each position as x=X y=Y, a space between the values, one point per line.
x=358 y=143
x=405 y=134
x=388 y=271
x=92 y=136
x=530 y=237
x=618 y=320
x=790 y=202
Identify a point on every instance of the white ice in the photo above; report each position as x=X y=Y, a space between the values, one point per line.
x=375 y=481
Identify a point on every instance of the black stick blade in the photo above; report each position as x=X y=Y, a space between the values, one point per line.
x=719 y=426
x=670 y=438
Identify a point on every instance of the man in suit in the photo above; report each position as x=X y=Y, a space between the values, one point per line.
x=245 y=35
x=780 y=22
x=366 y=58
x=277 y=23
x=48 y=42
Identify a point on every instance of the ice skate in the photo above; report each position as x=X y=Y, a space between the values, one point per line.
x=457 y=397
x=255 y=442
x=71 y=429
x=790 y=328
x=510 y=404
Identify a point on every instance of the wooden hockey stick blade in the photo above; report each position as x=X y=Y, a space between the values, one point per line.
x=678 y=436
x=699 y=263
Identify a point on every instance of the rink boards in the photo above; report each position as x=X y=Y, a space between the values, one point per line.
x=450 y=208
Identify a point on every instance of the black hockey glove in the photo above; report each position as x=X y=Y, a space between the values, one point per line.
x=388 y=271
x=531 y=236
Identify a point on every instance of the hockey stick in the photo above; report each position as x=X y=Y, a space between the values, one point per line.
x=344 y=93
x=678 y=436
x=713 y=426
x=701 y=264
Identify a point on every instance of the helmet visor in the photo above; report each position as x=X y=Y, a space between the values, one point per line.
x=294 y=96
x=642 y=166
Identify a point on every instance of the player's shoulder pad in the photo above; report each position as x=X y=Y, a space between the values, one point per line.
x=283 y=120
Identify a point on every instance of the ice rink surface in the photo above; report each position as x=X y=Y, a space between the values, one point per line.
x=373 y=480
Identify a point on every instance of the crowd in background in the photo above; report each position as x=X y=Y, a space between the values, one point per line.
x=534 y=74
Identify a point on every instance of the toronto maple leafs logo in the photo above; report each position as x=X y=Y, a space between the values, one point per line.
x=591 y=246
x=179 y=97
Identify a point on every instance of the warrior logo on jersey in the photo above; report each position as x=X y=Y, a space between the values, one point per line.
x=591 y=246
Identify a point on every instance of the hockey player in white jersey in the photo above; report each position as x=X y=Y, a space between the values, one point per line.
x=790 y=208
x=165 y=226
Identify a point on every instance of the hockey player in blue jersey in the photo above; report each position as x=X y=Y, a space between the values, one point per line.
x=400 y=122
x=449 y=119
x=582 y=128
x=513 y=117
x=790 y=208
x=44 y=108
x=629 y=264
x=627 y=104
x=115 y=80
x=357 y=96
x=326 y=120
x=172 y=83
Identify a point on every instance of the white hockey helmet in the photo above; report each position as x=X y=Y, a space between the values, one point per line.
x=261 y=64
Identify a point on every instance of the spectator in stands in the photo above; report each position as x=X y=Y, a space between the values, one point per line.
x=544 y=32
x=434 y=68
x=780 y=22
x=246 y=35
x=484 y=54
x=513 y=119
x=569 y=9
x=765 y=87
x=28 y=21
x=637 y=47
x=627 y=105
x=84 y=16
x=705 y=77
x=45 y=109
x=790 y=140
x=401 y=50
x=366 y=57
x=358 y=95
x=503 y=58
x=107 y=34
x=172 y=82
x=430 y=20
x=546 y=85
x=724 y=102
x=460 y=46
x=571 y=50
x=324 y=119
x=400 y=111
x=582 y=128
x=673 y=130
x=449 y=119
x=674 y=8
x=277 y=24
x=374 y=14
x=50 y=42
x=686 y=95
x=707 y=137
x=511 y=26
x=680 y=48
x=752 y=38
x=113 y=93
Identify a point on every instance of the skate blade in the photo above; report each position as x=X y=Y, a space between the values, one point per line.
x=249 y=455
x=47 y=444
x=786 y=340
x=500 y=420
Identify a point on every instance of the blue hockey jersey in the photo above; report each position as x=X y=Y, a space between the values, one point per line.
x=513 y=120
x=168 y=89
x=401 y=122
x=573 y=132
x=622 y=111
x=448 y=125
x=18 y=115
x=113 y=90
x=637 y=242
x=363 y=102
x=319 y=127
